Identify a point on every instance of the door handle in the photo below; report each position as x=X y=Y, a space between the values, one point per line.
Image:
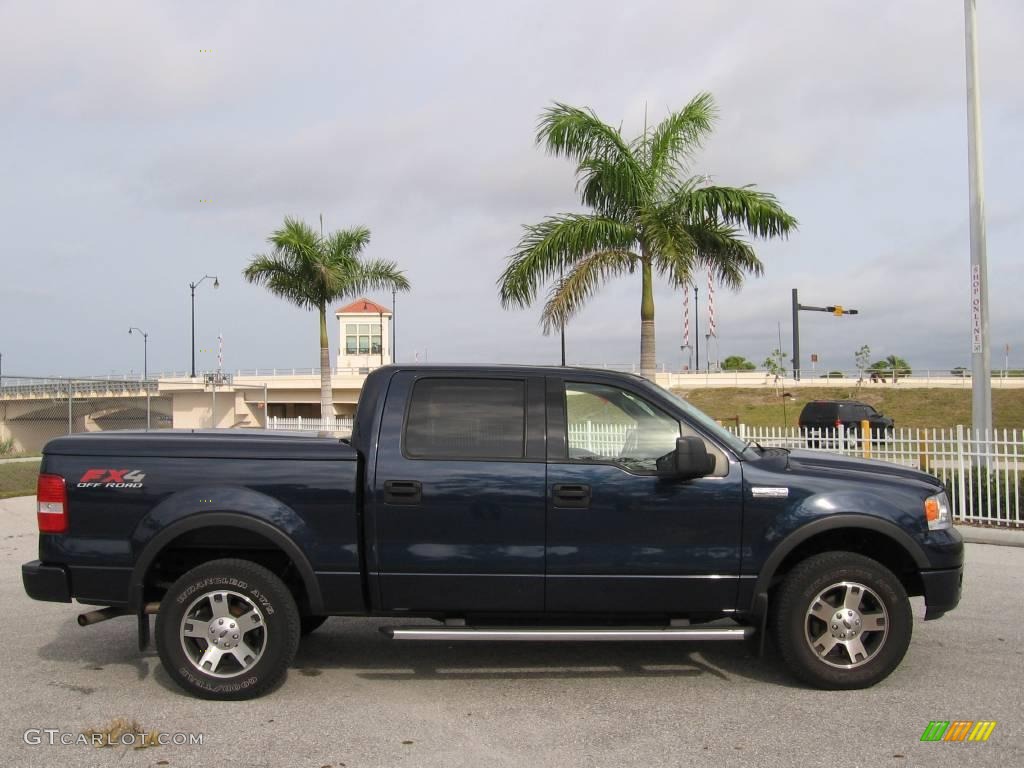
x=570 y=496
x=403 y=492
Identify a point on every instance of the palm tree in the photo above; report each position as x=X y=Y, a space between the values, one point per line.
x=312 y=271
x=647 y=215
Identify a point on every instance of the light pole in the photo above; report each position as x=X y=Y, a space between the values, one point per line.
x=394 y=325
x=145 y=351
x=981 y=369
x=561 y=325
x=193 y=286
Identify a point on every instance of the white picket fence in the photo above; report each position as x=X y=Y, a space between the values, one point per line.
x=342 y=424
x=983 y=472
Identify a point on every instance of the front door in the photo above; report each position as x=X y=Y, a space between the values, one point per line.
x=459 y=499
x=619 y=538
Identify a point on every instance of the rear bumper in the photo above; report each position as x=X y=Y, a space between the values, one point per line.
x=942 y=590
x=46 y=582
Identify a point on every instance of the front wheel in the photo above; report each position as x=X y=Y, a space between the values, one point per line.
x=227 y=629
x=842 y=621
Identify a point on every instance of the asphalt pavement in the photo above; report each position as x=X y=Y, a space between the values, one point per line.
x=355 y=698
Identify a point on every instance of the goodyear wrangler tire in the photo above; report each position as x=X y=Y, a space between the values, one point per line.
x=842 y=621
x=227 y=629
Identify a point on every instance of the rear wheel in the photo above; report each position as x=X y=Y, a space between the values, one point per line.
x=227 y=629
x=842 y=621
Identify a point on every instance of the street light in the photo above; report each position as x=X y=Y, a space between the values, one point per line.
x=145 y=351
x=193 y=286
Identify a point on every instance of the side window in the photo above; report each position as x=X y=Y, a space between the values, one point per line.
x=609 y=424
x=466 y=419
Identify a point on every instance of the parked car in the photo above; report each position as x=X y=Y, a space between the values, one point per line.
x=507 y=503
x=827 y=420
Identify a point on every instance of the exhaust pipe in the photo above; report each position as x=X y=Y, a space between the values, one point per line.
x=105 y=614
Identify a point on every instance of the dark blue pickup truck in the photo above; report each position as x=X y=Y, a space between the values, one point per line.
x=506 y=503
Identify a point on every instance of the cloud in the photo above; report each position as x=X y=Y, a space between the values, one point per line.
x=418 y=120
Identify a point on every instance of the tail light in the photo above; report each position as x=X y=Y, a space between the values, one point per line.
x=839 y=423
x=52 y=498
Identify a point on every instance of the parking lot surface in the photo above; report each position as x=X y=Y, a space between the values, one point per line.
x=354 y=698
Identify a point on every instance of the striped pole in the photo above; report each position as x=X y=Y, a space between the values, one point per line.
x=686 y=318
x=711 y=306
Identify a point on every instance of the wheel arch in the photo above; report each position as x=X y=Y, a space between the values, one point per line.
x=872 y=537
x=210 y=522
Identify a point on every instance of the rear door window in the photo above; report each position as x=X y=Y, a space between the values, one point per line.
x=466 y=419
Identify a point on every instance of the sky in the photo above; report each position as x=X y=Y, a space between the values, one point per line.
x=144 y=145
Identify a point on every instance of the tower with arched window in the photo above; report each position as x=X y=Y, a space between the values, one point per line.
x=365 y=332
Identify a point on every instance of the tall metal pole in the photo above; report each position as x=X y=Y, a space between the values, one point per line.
x=145 y=356
x=394 y=325
x=193 y=287
x=696 y=332
x=796 y=336
x=561 y=326
x=981 y=369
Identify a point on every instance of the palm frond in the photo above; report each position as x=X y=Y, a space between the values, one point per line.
x=679 y=135
x=579 y=134
x=613 y=187
x=568 y=295
x=758 y=212
x=556 y=242
x=278 y=274
x=722 y=250
x=374 y=275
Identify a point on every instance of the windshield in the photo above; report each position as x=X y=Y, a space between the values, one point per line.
x=708 y=424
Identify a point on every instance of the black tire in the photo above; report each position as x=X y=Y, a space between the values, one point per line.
x=223 y=591
x=881 y=602
x=310 y=624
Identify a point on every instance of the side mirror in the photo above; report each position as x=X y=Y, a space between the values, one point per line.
x=689 y=460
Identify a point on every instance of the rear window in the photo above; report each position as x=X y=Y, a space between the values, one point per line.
x=819 y=412
x=467 y=419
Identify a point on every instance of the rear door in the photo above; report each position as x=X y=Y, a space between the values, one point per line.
x=459 y=493
x=620 y=538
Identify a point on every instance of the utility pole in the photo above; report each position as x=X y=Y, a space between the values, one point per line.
x=835 y=309
x=981 y=369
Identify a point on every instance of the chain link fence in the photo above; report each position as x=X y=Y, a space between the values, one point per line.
x=36 y=409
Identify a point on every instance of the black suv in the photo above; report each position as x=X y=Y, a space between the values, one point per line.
x=821 y=418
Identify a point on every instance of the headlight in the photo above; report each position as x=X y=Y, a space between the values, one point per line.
x=936 y=512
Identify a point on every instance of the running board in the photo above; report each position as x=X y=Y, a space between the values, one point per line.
x=554 y=634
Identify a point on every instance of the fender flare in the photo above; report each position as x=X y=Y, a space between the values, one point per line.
x=231 y=520
x=833 y=522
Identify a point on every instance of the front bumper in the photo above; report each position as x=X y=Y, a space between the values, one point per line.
x=942 y=589
x=46 y=582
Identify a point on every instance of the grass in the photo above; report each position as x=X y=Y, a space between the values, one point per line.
x=908 y=407
x=18 y=479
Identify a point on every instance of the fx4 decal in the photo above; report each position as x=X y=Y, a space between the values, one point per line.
x=112 y=478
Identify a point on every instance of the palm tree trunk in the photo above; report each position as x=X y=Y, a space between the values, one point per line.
x=326 y=388
x=648 y=355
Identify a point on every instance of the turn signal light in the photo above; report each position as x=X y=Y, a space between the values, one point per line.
x=52 y=500
x=936 y=512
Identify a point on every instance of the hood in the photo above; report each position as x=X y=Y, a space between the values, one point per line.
x=813 y=461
